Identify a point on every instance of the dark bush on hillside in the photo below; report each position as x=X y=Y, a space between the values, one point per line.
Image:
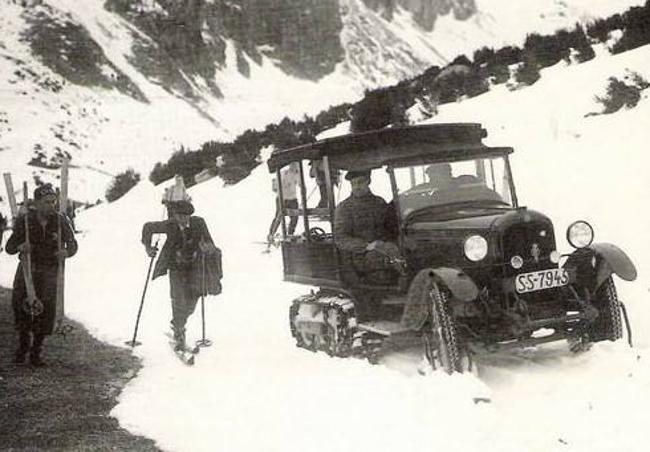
x=289 y=133
x=601 y=28
x=379 y=108
x=332 y=116
x=186 y=163
x=454 y=83
x=508 y=55
x=636 y=29
x=424 y=82
x=622 y=93
x=121 y=184
x=528 y=72
x=494 y=65
x=462 y=60
x=484 y=56
x=576 y=39
x=237 y=158
x=545 y=50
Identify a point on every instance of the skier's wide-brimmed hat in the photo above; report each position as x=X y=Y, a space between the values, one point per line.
x=43 y=191
x=182 y=207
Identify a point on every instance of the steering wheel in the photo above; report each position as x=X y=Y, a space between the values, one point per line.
x=317 y=234
x=419 y=190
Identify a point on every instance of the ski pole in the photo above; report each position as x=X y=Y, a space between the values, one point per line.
x=133 y=342
x=203 y=342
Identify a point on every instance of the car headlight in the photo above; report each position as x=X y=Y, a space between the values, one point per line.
x=580 y=234
x=476 y=248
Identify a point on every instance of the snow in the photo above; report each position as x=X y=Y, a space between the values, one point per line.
x=254 y=390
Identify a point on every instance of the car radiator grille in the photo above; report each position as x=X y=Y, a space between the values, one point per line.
x=533 y=242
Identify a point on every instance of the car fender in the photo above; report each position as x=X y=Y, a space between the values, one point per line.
x=597 y=262
x=457 y=281
x=612 y=260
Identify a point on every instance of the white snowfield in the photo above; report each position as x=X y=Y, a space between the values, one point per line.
x=253 y=390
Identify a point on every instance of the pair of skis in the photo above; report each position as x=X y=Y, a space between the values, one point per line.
x=187 y=355
x=32 y=304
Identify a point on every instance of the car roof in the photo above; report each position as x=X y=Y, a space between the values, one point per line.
x=393 y=146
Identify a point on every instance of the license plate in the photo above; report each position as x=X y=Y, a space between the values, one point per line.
x=540 y=280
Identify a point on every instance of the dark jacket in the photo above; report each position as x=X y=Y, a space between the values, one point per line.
x=186 y=254
x=43 y=239
x=45 y=265
x=359 y=220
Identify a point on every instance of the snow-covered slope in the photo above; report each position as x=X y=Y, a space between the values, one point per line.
x=254 y=390
x=72 y=82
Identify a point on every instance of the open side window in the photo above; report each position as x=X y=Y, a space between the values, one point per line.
x=309 y=254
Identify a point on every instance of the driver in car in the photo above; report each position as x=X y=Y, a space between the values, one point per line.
x=360 y=235
x=439 y=175
x=419 y=196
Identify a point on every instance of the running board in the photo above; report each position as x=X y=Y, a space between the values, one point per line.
x=542 y=323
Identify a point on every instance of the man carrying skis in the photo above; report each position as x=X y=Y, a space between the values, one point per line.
x=43 y=223
x=190 y=256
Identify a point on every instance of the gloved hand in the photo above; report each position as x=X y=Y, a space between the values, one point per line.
x=151 y=250
x=374 y=245
x=381 y=254
x=63 y=254
x=207 y=248
x=388 y=249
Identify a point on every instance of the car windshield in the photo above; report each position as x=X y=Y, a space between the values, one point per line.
x=484 y=182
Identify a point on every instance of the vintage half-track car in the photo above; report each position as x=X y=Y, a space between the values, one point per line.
x=476 y=271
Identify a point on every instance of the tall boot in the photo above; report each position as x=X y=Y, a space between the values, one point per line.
x=35 y=353
x=24 y=340
x=180 y=340
x=179 y=337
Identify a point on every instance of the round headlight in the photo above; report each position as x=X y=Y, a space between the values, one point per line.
x=580 y=234
x=476 y=248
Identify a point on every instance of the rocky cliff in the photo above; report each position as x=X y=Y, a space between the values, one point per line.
x=424 y=12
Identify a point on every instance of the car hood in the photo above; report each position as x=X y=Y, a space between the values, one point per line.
x=480 y=219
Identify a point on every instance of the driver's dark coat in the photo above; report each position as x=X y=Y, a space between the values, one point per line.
x=198 y=233
x=359 y=220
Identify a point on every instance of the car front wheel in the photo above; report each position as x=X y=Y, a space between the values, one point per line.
x=441 y=342
x=608 y=324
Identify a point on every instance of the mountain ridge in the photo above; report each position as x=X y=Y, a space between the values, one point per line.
x=87 y=83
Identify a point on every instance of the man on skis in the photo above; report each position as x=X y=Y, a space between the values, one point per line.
x=43 y=223
x=191 y=258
